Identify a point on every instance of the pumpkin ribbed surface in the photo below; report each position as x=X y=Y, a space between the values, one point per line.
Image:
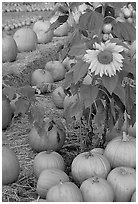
x=121 y=152
x=89 y=164
x=123 y=181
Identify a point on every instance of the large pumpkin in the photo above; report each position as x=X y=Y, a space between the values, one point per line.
x=46 y=160
x=121 y=151
x=49 y=178
x=9 y=49
x=97 y=150
x=58 y=96
x=123 y=181
x=89 y=164
x=51 y=138
x=97 y=189
x=7 y=112
x=64 y=192
x=10 y=166
x=26 y=39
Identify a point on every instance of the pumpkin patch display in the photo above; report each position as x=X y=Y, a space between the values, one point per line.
x=51 y=138
x=9 y=49
x=97 y=189
x=46 y=160
x=58 y=96
x=64 y=192
x=123 y=181
x=57 y=70
x=89 y=164
x=10 y=166
x=121 y=151
x=49 y=178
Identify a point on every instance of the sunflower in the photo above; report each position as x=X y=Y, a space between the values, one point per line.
x=105 y=59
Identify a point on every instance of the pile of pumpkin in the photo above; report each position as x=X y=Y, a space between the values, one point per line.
x=100 y=175
x=25 y=39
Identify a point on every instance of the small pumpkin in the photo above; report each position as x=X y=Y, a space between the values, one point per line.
x=97 y=189
x=64 y=192
x=58 y=96
x=52 y=137
x=133 y=198
x=123 y=181
x=121 y=151
x=46 y=160
x=10 y=166
x=49 y=178
x=57 y=70
x=89 y=164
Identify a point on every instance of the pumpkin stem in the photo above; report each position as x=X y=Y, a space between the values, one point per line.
x=95 y=179
x=125 y=137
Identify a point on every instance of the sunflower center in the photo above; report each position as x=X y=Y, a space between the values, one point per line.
x=105 y=57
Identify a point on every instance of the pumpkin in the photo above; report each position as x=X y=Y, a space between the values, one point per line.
x=49 y=178
x=10 y=166
x=51 y=138
x=121 y=151
x=7 y=112
x=62 y=30
x=40 y=76
x=26 y=39
x=47 y=160
x=133 y=198
x=97 y=189
x=58 y=96
x=9 y=49
x=64 y=192
x=57 y=70
x=97 y=150
x=123 y=181
x=89 y=164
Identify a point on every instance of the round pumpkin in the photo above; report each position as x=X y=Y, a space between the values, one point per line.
x=40 y=76
x=64 y=192
x=7 y=112
x=10 y=166
x=133 y=198
x=121 y=151
x=62 y=30
x=57 y=70
x=9 y=49
x=49 y=178
x=123 y=181
x=58 y=96
x=89 y=164
x=97 y=189
x=51 y=138
x=26 y=39
x=46 y=160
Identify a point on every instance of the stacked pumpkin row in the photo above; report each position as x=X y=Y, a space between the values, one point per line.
x=28 y=7
x=26 y=39
x=98 y=175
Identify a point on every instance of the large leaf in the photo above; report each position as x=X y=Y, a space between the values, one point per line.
x=78 y=49
x=88 y=94
x=27 y=92
x=110 y=83
x=129 y=66
x=91 y=21
x=80 y=70
x=21 y=106
x=9 y=92
x=68 y=79
x=124 y=31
